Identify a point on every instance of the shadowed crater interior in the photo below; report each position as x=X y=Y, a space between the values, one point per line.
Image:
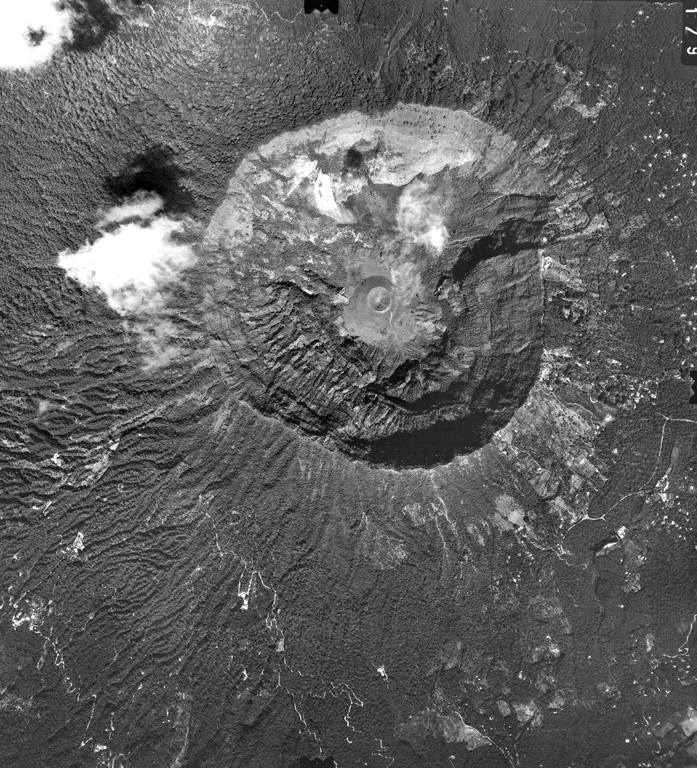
x=376 y=282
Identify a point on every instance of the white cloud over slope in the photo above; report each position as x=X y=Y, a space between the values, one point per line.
x=31 y=31
x=139 y=207
x=135 y=264
x=419 y=217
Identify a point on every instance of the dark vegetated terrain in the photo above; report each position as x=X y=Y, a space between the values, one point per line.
x=189 y=582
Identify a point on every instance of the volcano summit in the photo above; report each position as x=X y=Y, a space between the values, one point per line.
x=376 y=282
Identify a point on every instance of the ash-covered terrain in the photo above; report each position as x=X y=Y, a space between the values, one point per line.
x=345 y=381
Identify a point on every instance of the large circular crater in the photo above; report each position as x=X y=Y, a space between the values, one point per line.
x=377 y=282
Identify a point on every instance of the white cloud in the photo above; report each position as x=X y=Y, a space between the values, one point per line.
x=156 y=336
x=406 y=279
x=135 y=265
x=418 y=217
x=139 y=207
x=31 y=31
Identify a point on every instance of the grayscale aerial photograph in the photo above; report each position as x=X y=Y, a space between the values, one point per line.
x=348 y=384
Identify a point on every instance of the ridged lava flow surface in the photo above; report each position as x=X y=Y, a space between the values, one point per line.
x=376 y=282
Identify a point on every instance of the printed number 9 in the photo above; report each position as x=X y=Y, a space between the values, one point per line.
x=692 y=50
